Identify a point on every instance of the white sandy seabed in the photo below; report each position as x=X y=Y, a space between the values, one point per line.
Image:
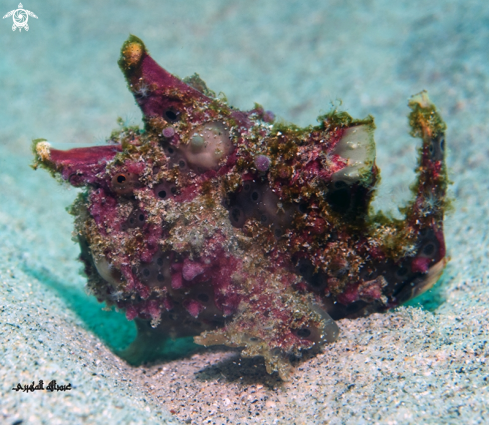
x=60 y=81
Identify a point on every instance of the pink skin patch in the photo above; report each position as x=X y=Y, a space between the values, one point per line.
x=193 y=307
x=81 y=165
x=262 y=163
x=157 y=103
x=84 y=156
x=349 y=295
x=103 y=209
x=268 y=116
x=176 y=280
x=153 y=309
x=371 y=290
x=420 y=265
x=168 y=304
x=131 y=312
x=191 y=270
x=168 y=132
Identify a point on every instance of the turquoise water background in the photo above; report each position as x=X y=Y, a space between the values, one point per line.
x=60 y=81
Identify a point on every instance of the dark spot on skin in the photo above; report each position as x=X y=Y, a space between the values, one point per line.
x=163 y=190
x=370 y=275
x=316 y=281
x=74 y=177
x=402 y=271
x=339 y=197
x=159 y=261
x=255 y=196
x=237 y=217
x=160 y=277
x=203 y=297
x=146 y=272
x=340 y=200
x=436 y=148
x=263 y=219
x=277 y=233
x=254 y=339
x=236 y=214
x=303 y=333
x=303 y=208
x=333 y=237
x=339 y=184
x=341 y=273
x=182 y=164
x=246 y=187
x=171 y=151
x=217 y=323
x=429 y=249
x=124 y=183
x=171 y=115
x=136 y=219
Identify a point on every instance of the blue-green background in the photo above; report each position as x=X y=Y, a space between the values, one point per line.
x=60 y=81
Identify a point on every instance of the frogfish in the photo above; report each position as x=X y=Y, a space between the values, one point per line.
x=242 y=230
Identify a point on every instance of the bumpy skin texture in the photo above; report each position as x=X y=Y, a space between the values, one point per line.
x=224 y=225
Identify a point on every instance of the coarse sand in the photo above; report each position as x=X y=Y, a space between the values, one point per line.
x=425 y=363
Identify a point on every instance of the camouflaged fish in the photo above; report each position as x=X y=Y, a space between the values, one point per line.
x=240 y=231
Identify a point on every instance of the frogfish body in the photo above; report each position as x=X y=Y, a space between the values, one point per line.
x=240 y=231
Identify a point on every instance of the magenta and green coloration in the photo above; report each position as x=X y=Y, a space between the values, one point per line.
x=220 y=224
